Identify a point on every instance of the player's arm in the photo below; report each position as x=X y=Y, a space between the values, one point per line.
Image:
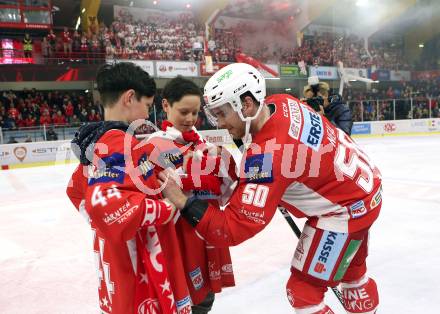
x=75 y=188
x=250 y=209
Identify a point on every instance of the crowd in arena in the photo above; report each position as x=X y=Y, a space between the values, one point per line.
x=181 y=38
x=378 y=103
x=32 y=108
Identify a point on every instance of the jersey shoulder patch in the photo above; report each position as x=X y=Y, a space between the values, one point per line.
x=313 y=128
x=110 y=169
x=258 y=168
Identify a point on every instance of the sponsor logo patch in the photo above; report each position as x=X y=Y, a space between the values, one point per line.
x=349 y=254
x=145 y=166
x=303 y=247
x=313 y=130
x=111 y=170
x=377 y=199
x=327 y=254
x=257 y=217
x=227 y=268
x=20 y=152
x=295 y=119
x=184 y=305
x=120 y=215
x=171 y=158
x=361 y=128
x=196 y=278
x=358 y=209
x=258 y=168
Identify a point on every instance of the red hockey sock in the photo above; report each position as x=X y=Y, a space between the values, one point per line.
x=316 y=309
x=305 y=297
x=360 y=296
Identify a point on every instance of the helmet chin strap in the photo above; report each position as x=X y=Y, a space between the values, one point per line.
x=247 y=139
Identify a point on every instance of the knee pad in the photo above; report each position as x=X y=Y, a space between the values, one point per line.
x=360 y=296
x=303 y=294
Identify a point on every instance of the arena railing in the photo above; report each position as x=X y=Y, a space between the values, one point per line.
x=362 y=110
x=394 y=109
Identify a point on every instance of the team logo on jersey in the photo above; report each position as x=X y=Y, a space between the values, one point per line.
x=149 y=306
x=110 y=169
x=313 y=130
x=255 y=216
x=377 y=199
x=145 y=166
x=327 y=254
x=258 y=168
x=171 y=158
x=358 y=209
x=196 y=278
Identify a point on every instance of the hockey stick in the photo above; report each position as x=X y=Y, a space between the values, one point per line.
x=297 y=232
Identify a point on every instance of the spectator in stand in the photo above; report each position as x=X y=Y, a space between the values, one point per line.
x=84 y=44
x=20 y=121
x=45 y=118
x=52 y=40
x=59 y=119
x=67 y=42
x=9 y=122
x=13 y=112
x=76 y=41
x=44 y=107
x=28 y=46
x=51 y=135
x=45 y=47
x=30 y=121
x=75 y=121
x=94 y=116
x=68 y=110
x=84 y=116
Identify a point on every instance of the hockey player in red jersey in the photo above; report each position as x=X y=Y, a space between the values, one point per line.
x=207 y=268
x=295 y=158
x=136 y=248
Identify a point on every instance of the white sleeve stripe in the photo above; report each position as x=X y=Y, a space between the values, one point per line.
x=82 y=210
x=313 y=204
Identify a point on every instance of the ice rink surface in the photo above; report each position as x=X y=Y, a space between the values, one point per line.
x=46 y=263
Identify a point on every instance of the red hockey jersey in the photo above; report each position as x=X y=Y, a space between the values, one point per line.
x=136 y=253
x=301 y=161
x=207 y=268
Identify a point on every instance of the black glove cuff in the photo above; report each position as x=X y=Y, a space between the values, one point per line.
x=194 y=210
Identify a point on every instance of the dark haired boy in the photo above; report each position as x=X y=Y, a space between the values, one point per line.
x=115 y=188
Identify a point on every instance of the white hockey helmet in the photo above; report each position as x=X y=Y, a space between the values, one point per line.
x=229 y=83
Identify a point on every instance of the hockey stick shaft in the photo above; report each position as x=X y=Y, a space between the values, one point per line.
x=297 y=232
